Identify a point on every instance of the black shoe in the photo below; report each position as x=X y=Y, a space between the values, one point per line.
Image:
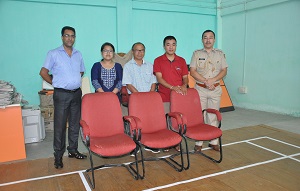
x=58 y=163
x=76 y=155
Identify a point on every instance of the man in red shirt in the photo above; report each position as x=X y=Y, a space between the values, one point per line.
x=171 y=72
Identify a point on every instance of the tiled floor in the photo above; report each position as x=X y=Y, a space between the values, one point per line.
x=231 y=120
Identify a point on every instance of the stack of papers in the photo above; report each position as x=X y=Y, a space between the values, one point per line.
x=8 y=94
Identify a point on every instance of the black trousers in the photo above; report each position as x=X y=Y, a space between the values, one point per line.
x=67 y=107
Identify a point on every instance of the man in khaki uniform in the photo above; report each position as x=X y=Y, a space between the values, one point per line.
x=208 y=66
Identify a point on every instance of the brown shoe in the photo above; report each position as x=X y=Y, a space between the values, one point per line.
x=214 y=147
x=197 y=148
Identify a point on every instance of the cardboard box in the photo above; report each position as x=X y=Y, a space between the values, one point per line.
x=47 y=113
x=46 y=100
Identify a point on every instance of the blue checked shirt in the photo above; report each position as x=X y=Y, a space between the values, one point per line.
x=141 y=77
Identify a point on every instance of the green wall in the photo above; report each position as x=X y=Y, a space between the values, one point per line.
x=262 y=44
x=30 y=28
x=260 y=39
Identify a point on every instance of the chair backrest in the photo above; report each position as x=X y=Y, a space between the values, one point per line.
x=148 y=107
x=189 y=105
x=85 y=85
x=102 y=113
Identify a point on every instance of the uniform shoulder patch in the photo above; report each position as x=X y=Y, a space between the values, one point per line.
x=218 y=50
x=198 y=50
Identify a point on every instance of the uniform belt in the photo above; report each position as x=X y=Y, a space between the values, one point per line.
x=204 y=86
x=68 y=91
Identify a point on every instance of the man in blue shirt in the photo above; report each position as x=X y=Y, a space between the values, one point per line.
x=67 y=67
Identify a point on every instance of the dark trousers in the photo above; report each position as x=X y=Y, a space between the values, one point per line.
x=67 y=107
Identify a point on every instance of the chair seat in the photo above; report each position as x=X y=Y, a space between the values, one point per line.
x=207 y=133
x=161 y=139
x=115 y=145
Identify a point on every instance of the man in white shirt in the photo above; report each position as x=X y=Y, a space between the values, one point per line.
x=138 y=73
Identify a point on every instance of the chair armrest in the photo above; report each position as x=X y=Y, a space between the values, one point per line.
x=85 y=127
x=176 y=116
x=181 y=121
x=216 y=112
x=86 y=132
x=134 y=128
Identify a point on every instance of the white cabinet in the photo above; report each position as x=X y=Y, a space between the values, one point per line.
x=33 y=125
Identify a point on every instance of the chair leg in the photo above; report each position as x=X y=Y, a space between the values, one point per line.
x=187 y=154
x=181 y=156
x=92 y=182
x=142 y=161
x=210 y=158
x=135 y=171
x=177 y=166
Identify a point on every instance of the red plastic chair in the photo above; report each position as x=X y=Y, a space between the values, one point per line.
x=192 y=118
x=148 y=109
x=102 y=130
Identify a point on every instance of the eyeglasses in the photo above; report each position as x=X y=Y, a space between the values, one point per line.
x=69 y=36
x=107 y=51
x=142 y=51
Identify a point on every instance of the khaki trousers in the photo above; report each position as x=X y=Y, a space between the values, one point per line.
x=210 y=99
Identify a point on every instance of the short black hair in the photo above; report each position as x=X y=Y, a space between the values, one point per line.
x=169 y=38
x=107 y=44
x=67 y=28
x=208 y=31
x=136 y=44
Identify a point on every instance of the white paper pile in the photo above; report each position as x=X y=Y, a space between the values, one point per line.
x=8 y=95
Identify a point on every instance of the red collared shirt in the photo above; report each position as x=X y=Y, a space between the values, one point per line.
x=172 y=73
